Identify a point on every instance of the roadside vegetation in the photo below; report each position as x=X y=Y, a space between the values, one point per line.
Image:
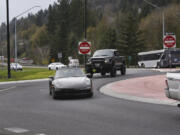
x=26 y=74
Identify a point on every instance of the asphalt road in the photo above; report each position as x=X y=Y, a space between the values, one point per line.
x=29 y=108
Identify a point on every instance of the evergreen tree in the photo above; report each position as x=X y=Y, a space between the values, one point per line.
x=51 y=28
x=130 y=38
x=63 y=28
x=76 y=17
x=109 y=39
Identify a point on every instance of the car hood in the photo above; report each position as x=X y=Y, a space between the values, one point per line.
x=72 y=83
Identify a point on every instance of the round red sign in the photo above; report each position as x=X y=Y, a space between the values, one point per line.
x=84 y=47
x=169 y=41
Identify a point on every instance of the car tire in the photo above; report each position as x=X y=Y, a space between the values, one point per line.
x=54 y=95
x=103 y=73
x=91 y=75
x=50 y=90
x=49 y=68
x=123 y=71
x=113 y=72
x=91 y=95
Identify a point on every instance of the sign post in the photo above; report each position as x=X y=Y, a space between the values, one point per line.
x=169 y=41
x=59 y=56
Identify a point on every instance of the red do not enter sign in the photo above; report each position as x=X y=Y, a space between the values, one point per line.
x=170 y=41
x=84 y=47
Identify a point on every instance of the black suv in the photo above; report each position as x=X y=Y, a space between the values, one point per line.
x=106 y=61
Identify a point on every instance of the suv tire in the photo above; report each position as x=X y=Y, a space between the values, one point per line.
x=103 y=73
x=113 y=72
x=123 y=71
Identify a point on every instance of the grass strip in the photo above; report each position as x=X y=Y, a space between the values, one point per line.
x=26 y=74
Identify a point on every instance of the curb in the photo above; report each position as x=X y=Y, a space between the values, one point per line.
x=25 y=81
x=106 y=90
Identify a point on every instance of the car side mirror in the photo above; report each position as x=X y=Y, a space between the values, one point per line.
x=51 y=78
x=88 y=76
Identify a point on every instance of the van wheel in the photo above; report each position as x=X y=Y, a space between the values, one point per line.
x=142 y=65
x=158 y=65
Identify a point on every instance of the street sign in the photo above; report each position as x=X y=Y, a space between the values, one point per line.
x=59 y=55
x=169 y=41
x=84 y=47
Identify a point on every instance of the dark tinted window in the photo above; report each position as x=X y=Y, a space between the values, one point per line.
x=100 y=53
x=175 y=54
x=147 y=57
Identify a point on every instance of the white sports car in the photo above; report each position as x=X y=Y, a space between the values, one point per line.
x=70 y=82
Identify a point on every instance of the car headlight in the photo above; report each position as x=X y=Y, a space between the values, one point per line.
x=88 y=82
x=89 y=61
x=107 y=60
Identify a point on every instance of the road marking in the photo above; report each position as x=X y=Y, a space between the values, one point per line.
x=40 y=134
x=8 y=89
x=17 y=130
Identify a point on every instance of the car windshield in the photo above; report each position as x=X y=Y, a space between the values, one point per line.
x=103 y=53
x=69 y=72
x=14 y=64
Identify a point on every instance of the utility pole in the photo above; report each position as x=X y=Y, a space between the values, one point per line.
x=15 y=30
x=8 y=40
x=163 y=17
x=85 y=28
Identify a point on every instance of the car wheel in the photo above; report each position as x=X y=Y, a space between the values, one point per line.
x=50 y=90
x=54 y=95
x=103 y=73
x=91 y=75
x=123 y=71
x=113 y=72
x=57 y=68
x=91 y=95
x=49 y=68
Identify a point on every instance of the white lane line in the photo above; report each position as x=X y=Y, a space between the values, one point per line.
x=17 y=130
x=7 y=89
x=40 y=134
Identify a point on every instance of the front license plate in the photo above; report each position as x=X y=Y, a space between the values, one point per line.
x=94 y=70
x=97 y=65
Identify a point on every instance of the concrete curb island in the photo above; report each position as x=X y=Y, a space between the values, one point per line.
x=144 y=89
